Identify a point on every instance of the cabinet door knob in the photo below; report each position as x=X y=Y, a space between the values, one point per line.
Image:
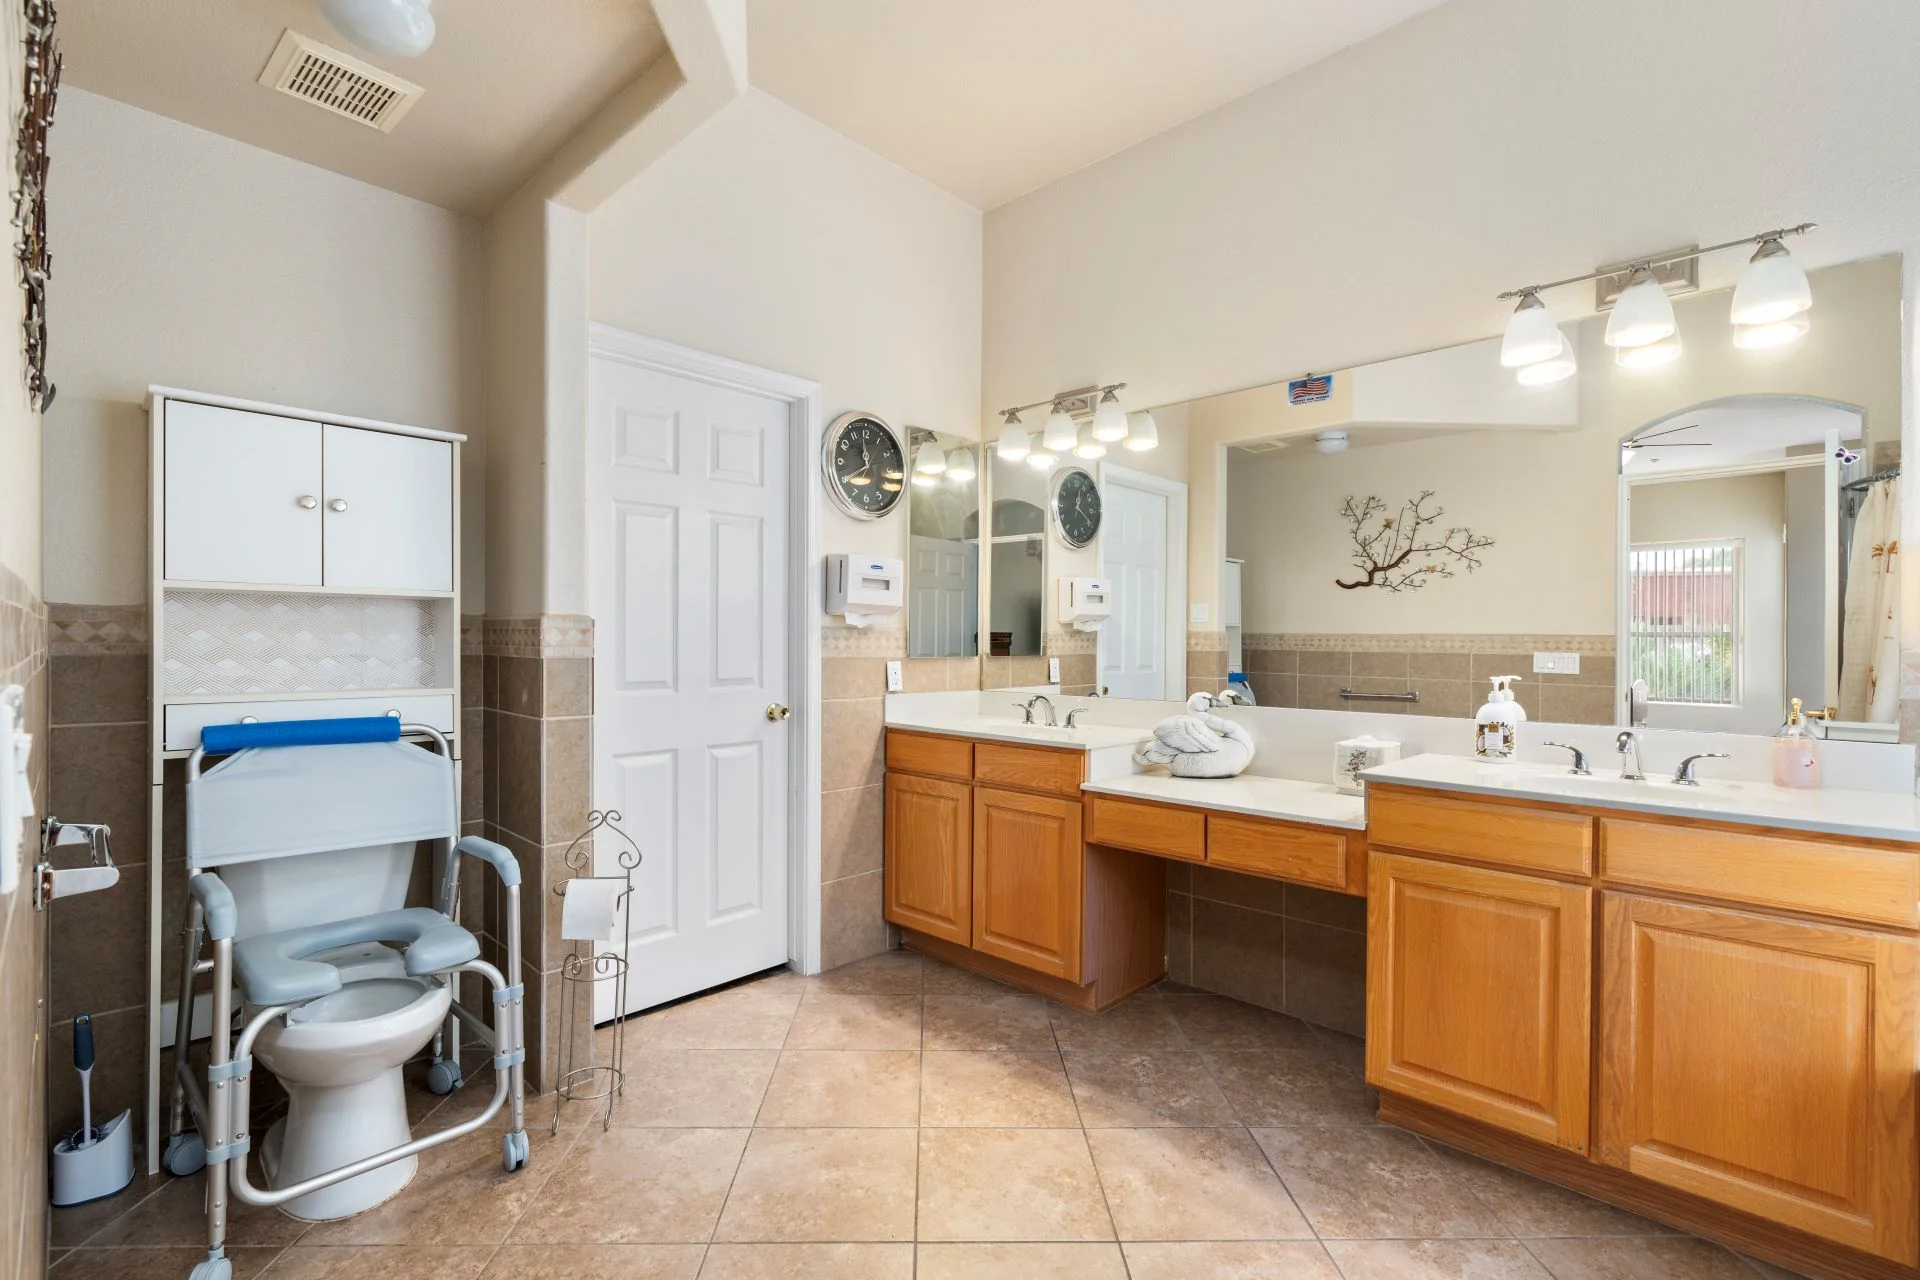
x=776 y=712
x=337 y=504
x=306 y=502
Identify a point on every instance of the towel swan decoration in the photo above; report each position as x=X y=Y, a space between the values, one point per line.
x=1198 y=744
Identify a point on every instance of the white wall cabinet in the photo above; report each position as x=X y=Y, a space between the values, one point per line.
x=258 y=499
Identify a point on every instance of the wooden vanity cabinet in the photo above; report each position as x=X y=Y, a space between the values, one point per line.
x=929 y=856
x=1028 y=870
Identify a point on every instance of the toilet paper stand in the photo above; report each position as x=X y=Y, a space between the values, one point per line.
x=582 y=978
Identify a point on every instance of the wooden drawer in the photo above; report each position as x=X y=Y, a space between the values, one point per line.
x=1819 y=876
x=930 y=754
x=1277 y=849
x=1148 y=828
x=1504 y=834
x=1030 y=768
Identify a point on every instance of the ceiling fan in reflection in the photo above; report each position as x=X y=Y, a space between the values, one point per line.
x=1653 y=440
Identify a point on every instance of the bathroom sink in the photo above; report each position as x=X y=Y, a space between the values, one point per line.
x=1603 y=787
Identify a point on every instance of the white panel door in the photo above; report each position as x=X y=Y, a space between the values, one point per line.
x=242 y=496
x=943 y=613
x=388 y=511
x=1133 y=549
x=688 y=582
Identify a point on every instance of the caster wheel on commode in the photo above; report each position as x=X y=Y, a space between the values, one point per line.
x=212 y=1269
x=443 y=1077
x=513 y=1150
x=185 y=1154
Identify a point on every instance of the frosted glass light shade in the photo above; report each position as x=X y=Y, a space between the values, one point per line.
x=1772 y=288
x=1061 y=434
x=1014 y=444
x=1555 y=368
x=1089 y=447
x=925 y=481
x=1041 y=460
x=1641 y=314
x=398 y=28
x=960 y=465
x=1109 y=420
x=1143 y=433
x=1531 y=334
x=1758 y=337
x=929 y=460
x=1648 y=355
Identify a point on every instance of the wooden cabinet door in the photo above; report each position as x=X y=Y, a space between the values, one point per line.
x=929 y=852
x=1479 y=994
x=1029 y=870
x=389 y=511
x=242 y=497
x=1765 y=1064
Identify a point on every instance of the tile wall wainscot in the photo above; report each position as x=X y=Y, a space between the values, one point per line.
x=23 y=964
x=536 y=691
x=1449 y=671
x=1207 y=663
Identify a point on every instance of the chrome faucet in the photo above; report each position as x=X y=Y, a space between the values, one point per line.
x=1629 y=742
x=1579 y=757
x=1027 y=706
x=1073 y=717
x=1684 y=774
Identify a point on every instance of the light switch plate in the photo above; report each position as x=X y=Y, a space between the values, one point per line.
x=1556 y=664
x=1053 y=671
x=1196 y=613
x=895 y=681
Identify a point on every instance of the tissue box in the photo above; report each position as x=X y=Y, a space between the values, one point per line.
x=1351 y=755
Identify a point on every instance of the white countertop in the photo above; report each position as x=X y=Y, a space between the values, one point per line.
x=1316 y=803
x=1878 y=815
x=1086 y=737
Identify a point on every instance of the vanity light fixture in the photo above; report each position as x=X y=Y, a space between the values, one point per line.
x=1531 y=335
x=924 y=480
x=1109 y=419
x=1098 y=406
x=1759 y=337
x=1649 y=355
x=1772 y=288
x=1555 y=368
x=1143 y=433
x=1060 y=434
x=960 y=465
x=1014 y=444
x=929 y=460
x=1090 y=446
x=1642 y=314
x=1041 y=460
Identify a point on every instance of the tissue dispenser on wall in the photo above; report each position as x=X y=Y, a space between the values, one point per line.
x=1085 y=603
x=865 y=589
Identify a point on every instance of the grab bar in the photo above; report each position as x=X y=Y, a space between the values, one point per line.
x=1411 y=695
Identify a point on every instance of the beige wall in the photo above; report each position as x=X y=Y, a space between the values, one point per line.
x=187 y=259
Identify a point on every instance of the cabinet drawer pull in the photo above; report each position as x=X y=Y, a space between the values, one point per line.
x=337 y=504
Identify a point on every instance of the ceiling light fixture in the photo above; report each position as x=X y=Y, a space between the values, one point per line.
x=398 y=28
x=1555 y=368
x=1098 y=406
x=1331 y=442
x=960 y=465
x=1778 y=333
x=1014 y=444
x=1531 y=333
x=1109 y=419
x=1143 y=433
x=1772 y=288
x=1060 y=434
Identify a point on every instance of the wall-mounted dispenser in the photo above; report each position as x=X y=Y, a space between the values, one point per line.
x=1085 y=603
x=865 y=589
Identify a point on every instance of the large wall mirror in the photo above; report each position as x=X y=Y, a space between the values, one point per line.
x=1017 y=523
x=1720 y=527
x=943 y=545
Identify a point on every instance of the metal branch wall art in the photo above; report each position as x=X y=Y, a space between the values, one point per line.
x=40 y=84
x=1406 y=550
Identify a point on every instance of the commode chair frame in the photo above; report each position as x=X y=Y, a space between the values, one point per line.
x=220 y=1114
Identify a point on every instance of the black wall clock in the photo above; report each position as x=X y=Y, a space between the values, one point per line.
x=1076 y=506
x=863 y=465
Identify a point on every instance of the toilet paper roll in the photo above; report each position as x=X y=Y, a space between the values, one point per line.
x=587 y=909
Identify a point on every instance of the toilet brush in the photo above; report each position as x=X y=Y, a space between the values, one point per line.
x=90 y=1163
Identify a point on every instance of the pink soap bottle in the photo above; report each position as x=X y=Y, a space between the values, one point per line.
x=1796 y=753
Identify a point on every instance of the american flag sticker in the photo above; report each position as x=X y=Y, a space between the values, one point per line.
x=1311 y=389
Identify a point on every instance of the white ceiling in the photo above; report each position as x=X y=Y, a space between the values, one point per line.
x=990 y=99
x=1744 y=430
x=502 y=90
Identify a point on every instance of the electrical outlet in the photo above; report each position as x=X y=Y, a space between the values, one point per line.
x=1053 y=671
x=1196 y=613
x=895 y=681
x=1556 y=664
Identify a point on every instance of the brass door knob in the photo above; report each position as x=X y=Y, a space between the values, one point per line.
x=777 y=712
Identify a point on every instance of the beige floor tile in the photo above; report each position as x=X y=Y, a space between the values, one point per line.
x=937 y=979
x=1152 y=1088
x=744 y=1018
x=857 y=1022
x=1139 y=1022
x=1009 y=1184
x=694 y=1088
x=1229 y=1260
x=593 y=1262
x=889 y=973
x=1768 y=1270
x=1275 y=1089
x=636 y=1186
x=380 y=1262
x=1527 y=1207
x=460 y=1196
x=74 y=1225
x=176 y=1215
x=1349 y=1051
x=1056 y=1261
x=993 y=1021
x=1192 y=1184
x=1435 y=1260
x=809 y=1262
x=1358 y=1183
x=840 y=1185
x=155 y=1264
x=844 y=1088
x=995 y=1090
x=1215 y=1022
x=1672 y=1258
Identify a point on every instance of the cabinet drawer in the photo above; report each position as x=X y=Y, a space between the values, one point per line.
x=1509 y=835
x=1275 y=849
x=1030 y=768
x=1850 y=881
x=1147 y=828
x=930 y=754
x=183 y=721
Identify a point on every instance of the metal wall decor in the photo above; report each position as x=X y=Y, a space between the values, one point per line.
x=40 y=83
x=1405 y=550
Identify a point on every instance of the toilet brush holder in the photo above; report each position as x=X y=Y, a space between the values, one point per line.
x=99 y=1169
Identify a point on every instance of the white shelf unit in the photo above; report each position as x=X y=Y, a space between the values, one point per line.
x=303 y=565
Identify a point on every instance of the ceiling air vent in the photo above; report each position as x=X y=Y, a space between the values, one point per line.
x=306 y=69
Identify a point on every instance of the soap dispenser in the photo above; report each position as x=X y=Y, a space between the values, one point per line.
x=1495 y=723
x=1796 y=753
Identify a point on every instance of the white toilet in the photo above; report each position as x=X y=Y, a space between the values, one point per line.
x=339 y=1057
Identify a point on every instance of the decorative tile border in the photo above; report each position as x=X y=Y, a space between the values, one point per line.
x=473 y=634
x=1450 y=643
x=88 y=630
x=1061 y=641
x=863 y=642
x=1208 y=641
x=545 y=635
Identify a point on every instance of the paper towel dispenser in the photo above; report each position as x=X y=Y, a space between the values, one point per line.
x=865 y=589
x=1085 y=603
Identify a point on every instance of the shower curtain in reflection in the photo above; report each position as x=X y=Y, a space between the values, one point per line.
x=1870 y=647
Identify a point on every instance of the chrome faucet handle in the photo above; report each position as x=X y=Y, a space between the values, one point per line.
x=1026 y=710
x=1629 y=742
x=1684 y=774
x=1073 y=717
x=1579 y=756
